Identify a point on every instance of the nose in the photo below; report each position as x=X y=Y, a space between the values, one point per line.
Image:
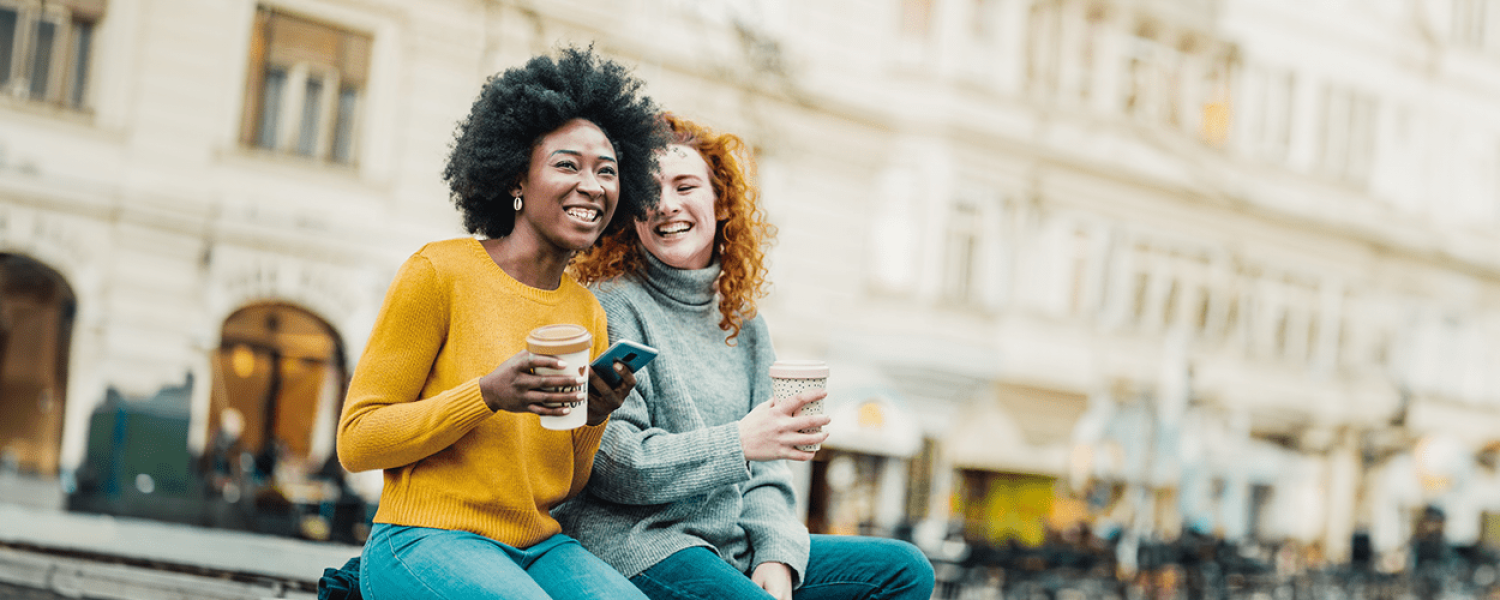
x=669 y=204
x=589 y=184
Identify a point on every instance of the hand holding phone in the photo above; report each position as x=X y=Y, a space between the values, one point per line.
x=634 y=355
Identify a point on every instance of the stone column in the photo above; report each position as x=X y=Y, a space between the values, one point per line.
x=1344 y=479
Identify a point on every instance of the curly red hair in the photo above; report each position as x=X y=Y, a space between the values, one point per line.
x=739 y=244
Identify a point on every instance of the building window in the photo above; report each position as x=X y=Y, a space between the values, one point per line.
x=1348 y=135
x=1215 y=117
x=1044 y=50
x=305 y=87
x=916 y=19
x=984 y=41
x=973 y=249
x=1140 y=296
x=985 y=23
x=1080 y=284
x=914 y=38
x=1153 y=75
x=1202 y=310
x=45 y=46
x=1269 y=95
x=1470 y=20
x=1096 y=30
x=962 y=252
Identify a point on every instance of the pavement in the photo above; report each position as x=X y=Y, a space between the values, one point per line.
x=48 y=550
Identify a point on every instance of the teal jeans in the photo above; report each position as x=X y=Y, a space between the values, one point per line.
x=417 y=563
x=838 y=568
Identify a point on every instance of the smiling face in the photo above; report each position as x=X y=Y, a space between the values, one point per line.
x=571 y=189
x=680 y=232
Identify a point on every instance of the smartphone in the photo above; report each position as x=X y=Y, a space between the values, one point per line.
x=632 y=354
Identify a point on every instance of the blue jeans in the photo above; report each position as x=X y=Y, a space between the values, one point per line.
x=838 y=568
x=400 y=563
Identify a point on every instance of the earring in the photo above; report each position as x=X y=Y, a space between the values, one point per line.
x=517 y=204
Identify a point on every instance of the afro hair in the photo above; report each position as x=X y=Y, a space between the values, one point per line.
x=492 y=149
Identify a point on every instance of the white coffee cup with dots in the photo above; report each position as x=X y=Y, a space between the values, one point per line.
x=792 y=377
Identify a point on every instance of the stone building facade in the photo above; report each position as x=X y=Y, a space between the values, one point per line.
x=1228 y=265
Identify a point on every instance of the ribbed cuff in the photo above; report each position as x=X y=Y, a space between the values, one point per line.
x=469 y=408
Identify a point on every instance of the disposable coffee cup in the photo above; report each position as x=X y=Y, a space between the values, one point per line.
x=792 y=377
x=570 y=344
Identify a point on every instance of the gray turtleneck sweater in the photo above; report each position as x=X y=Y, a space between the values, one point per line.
x=670 y=473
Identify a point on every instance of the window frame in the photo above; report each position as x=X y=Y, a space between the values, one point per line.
x=292 y=126
x=1347 y=136
x=962 y=236
x=1469 y=23
x=916 y=28
x=289 y=135
x=974 y=247
x=68 y=67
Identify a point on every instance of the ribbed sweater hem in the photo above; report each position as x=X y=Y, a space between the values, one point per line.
x=518 y=528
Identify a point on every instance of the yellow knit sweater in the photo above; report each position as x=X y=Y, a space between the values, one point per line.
x=414 y=407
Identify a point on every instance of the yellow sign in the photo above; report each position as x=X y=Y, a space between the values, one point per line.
x=1215 y=122
x=871 y=415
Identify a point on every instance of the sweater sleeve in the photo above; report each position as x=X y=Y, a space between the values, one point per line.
x=639 y=461
x=384 y=423
x=776 y=533
x=768 y=514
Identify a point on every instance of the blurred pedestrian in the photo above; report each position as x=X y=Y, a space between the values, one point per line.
x=222 y=461
x=552 y=155
x=1430 y=553
x=690 y=496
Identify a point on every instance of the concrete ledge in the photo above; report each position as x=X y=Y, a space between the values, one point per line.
x=152 y=546
x=79 y=578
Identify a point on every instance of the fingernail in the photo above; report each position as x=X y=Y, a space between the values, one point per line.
x=566 y=410
x=583 y=395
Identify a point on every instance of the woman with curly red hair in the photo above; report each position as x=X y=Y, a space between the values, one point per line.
x=690 y=497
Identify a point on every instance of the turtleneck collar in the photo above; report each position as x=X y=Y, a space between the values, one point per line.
x=690 y=287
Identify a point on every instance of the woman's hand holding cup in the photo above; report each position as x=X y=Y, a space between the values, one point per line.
x=773 y=431
x=515 y=387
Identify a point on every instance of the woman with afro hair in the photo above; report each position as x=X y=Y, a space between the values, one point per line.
x=445 y=399
x=691 y=497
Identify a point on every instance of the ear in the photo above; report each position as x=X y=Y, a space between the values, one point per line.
x=518 y=188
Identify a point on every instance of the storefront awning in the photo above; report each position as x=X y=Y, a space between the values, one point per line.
x=873 y=421
x=989 y=438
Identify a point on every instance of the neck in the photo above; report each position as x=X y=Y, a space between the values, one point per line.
x=693 y=287
x=532 y=264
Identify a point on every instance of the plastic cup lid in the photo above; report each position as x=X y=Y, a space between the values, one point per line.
x=799 y=369
x=554 y=340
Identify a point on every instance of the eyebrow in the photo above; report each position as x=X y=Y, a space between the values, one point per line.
x=580 y=155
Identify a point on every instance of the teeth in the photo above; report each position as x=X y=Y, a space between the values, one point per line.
x=586 y=214
x=671 y=228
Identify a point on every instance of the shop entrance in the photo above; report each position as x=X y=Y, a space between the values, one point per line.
x=279 y=372
x=279 y=381
x=36 y=324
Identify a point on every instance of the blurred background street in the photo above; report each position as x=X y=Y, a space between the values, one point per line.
x=1122 y=298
